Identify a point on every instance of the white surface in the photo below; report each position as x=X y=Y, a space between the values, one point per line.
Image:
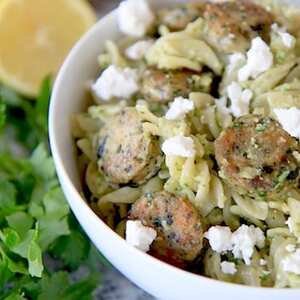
x=159 y=279
x=139 y=236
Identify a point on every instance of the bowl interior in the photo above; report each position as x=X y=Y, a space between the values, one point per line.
x=70 y=96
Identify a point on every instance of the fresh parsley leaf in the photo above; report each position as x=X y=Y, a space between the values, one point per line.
x=41 y=108
x=35 y=220
x=54 y=222
x=2 y=114
x=20 y=221
x=15 y=296
x=58 y=287
x=73 y=249
x=26 y=247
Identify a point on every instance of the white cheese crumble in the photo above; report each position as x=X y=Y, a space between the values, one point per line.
x=139 y=236
x=290 y=248
x=219 y=238
x=228 y=267
x=179 y=146
x=289 y=223
x=135 y=17
x=263 y=262
x=116 y=82
x=138 y=50
x=288 y=40
x=292 y=263
x=241 y=242
x=240 y=99
x=179 y=108
x=289 y=118
x=244 y=240
x=259 y=60
x=235 y=61
x=222 y=108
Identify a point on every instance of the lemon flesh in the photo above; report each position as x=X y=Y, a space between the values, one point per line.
x=36 y=36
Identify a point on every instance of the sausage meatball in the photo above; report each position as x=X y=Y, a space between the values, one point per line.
x=163 y=86
x=126 y=153
x=232 y=24
x=256 y=156
x=176 y=19
x=177 y=223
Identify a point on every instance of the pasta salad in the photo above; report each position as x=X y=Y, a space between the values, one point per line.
x=190 y=150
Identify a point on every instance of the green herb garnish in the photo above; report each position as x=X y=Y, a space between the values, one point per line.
x=36 y=225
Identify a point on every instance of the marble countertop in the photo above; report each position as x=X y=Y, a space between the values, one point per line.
x=114 y=285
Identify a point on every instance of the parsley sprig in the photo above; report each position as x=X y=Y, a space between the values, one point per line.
x=35 y=220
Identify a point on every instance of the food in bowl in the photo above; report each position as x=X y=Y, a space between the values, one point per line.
x=190 y=150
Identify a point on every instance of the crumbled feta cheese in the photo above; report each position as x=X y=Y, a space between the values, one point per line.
x=244 y=240
x=288 y=40
x=116 y=82
x=240 y=99
x=235 y=61
x=289 y=118
x=289 y=223
x=259 y=60
x=139 y=236
x=179 y=108
x=135 y=17
x=228 y=267
x=138 y=50
x=179 y=146
x=290 y=248
x=292 y=263
x=222 y=108
x=263 y=262
x=219 y=238
x=241 y=242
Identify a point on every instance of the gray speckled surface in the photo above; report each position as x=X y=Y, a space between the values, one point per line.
x=114 y=285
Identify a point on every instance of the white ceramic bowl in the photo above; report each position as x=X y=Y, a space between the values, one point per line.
x=157 y=278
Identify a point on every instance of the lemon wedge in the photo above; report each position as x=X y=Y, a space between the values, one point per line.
x=36 y=36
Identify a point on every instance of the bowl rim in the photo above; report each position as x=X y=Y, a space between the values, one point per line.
x=67 y=184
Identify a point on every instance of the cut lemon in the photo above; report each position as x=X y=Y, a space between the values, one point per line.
x=36 y=36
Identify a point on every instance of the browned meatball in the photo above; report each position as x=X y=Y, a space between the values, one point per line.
x=177 y=18
x=126 y=153
x=177 y=223
x=231 y=25
x=162 y=86
x=256 y=156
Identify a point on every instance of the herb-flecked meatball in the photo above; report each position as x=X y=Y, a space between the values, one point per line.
x=126 y=153
x=177 y=223
x=177 y=18
x=232 y=24
x=255 y=157
x=163 y=86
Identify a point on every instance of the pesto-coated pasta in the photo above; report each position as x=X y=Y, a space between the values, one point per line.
x=197 y=137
